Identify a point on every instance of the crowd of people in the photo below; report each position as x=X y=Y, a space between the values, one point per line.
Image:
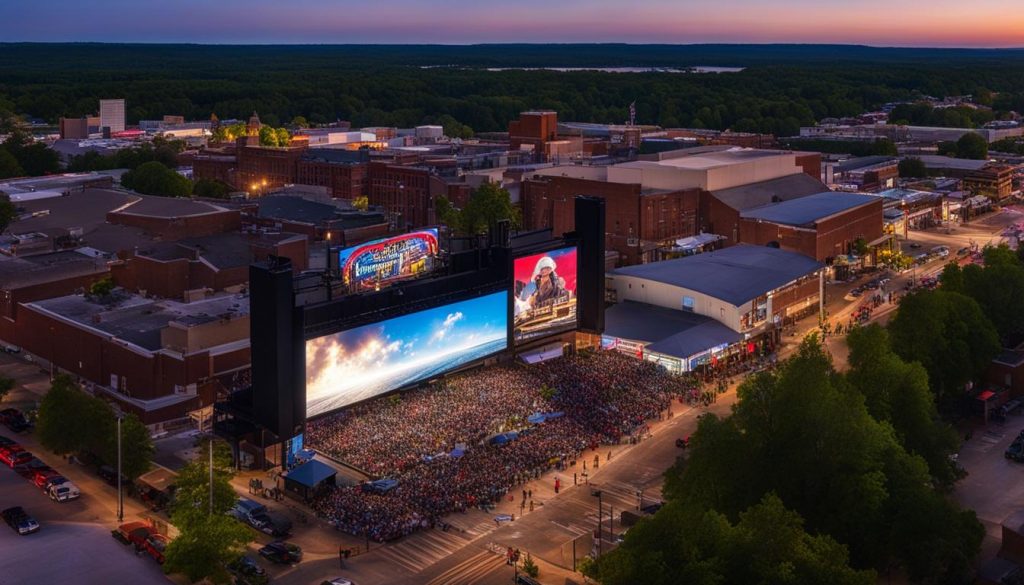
x=436 y=442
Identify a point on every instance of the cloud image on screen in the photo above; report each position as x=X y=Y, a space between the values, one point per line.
x=544 y=286
x=357 y=364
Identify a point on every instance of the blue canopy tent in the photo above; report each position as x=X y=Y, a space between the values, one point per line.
x=307 y=478
x=504 y=438
x=536 y=418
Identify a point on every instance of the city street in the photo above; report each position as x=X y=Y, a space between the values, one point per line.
x=472 y=551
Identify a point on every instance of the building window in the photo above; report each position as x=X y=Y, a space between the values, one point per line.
x=688 y=304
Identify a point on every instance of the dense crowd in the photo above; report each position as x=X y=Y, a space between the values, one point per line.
x=411 y=437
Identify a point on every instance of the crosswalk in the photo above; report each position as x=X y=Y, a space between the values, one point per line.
x=471 y=570
x=422 y=549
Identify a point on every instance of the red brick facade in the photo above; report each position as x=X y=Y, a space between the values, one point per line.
x=176 y=228
x=825 y=239
x=635 y=221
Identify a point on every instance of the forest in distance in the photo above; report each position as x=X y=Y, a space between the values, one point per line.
x=781 y=88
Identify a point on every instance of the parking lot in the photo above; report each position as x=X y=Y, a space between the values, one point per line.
x=71 y=545
x=994 y=487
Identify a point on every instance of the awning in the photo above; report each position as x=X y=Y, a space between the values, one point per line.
x=884 y=238
x=159 y=479
x=311 y=474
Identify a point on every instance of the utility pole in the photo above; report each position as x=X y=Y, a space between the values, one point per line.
x=120 y=493
x=211 y=476
x=600 y=520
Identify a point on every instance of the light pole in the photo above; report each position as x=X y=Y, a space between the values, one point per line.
x=600 y=518
x=327 y=272
x=211 y=476
x=120 y=494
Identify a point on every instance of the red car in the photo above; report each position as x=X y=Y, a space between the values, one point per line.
x=15 y=457
x=155 y=545
x=42 y=476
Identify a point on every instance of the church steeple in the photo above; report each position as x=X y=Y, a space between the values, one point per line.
x=254 y=125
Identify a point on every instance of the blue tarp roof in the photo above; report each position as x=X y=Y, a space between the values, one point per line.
x=311 y=473
x=736 y=274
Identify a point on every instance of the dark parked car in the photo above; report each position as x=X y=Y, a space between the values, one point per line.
x=247 y=571
x=5 y=442
x=109 y=475
x=14 y=420
x=1015 y=451
x=20 y=521
x=284 y=553
x=15 y=458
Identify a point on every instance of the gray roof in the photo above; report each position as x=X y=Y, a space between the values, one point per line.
x=809 y=210
x=852 y=164
x=41 y=268
x=737 y=274
x=670 y=332
x=774 y=190
x=169 y=207
x=933 y=161
x=295 y=209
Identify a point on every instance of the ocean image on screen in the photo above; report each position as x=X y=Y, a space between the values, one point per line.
x=357 y=364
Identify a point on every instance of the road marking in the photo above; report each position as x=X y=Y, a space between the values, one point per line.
x=423 y=549
x=470 y=570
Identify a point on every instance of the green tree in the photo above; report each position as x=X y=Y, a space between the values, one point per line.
x=488 y=204
x=912 y=167
x=102 y=287
x=205 y=546
x=211 y=188
x=949 y=335
x=948 y=148
x=530 y=567
x=35 y=158
x=884 y=146
x=362 y=203
x=284 y=138
x=154 y=178
x=300 y=122
x=897 y=392
x=192 y=497
x=60 y=426
x=9 y=166
x=973 y=146
x=7 y=211
x=6 y=385
x=136 y=446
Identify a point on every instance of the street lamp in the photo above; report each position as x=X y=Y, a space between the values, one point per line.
x=600 y=516
x=327 y=272
x=120 y=494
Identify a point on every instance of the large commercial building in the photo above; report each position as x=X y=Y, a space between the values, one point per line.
x=112 y=115
x=653 y=202
x=710 y=307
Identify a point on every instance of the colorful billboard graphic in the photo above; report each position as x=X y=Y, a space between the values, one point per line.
x=368 y=361
x=545 y=293
x=378 y=263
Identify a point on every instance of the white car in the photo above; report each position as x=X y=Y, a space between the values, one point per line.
x=62 y=492
x=338 y=581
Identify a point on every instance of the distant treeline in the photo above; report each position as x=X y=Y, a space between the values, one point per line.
x=782 y=87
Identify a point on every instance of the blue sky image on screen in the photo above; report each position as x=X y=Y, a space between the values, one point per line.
x=367 y=361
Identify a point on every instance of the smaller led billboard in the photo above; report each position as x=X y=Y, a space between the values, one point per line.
x=545 y=293
x=378 y=263
x=368 y=361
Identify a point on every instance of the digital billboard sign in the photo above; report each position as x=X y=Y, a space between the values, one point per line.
x=545 y=293
x=377 y=263
x=367 y=361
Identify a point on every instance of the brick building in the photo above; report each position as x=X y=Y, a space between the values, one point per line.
x=158 y=359
x=720 y=209
x=317 y=220
x=191 y=267
x=993 y=180
x=343 y=172
x=638 y=220
x=172 y=219
x=822 y=226
x=405 y=193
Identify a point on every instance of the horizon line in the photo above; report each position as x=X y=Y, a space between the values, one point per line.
x=521 y=43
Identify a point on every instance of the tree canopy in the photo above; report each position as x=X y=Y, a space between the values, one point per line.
x=487 y=204
x=912 y=167
x=948 y=334
x=805 y=433
x=154 y=178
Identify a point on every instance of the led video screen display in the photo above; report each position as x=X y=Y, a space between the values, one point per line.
x=367 y=361
x=378 y=263
x=544 y=286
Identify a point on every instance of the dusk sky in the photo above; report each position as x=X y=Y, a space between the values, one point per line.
x=942 y=23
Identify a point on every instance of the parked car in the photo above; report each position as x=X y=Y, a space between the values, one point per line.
x=109 y=475
x=338 y=581
x=14 y=420
x=154 y=545
x=283 y=553
x=1015 y=451
x=134 y=533
x=63 y=492
x=915 y=245
x=259 y=517
x=941 y=251
x=42 y=476
x=15 y=458
x=20 y=521
x=247 y=571
x=5 y=442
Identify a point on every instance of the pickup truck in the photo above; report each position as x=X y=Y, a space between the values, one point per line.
x=62 y=492
x=259 y=517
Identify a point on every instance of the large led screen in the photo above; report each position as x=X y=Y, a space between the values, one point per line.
x=545 y=293
x=367 y=361
x=377 y=263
